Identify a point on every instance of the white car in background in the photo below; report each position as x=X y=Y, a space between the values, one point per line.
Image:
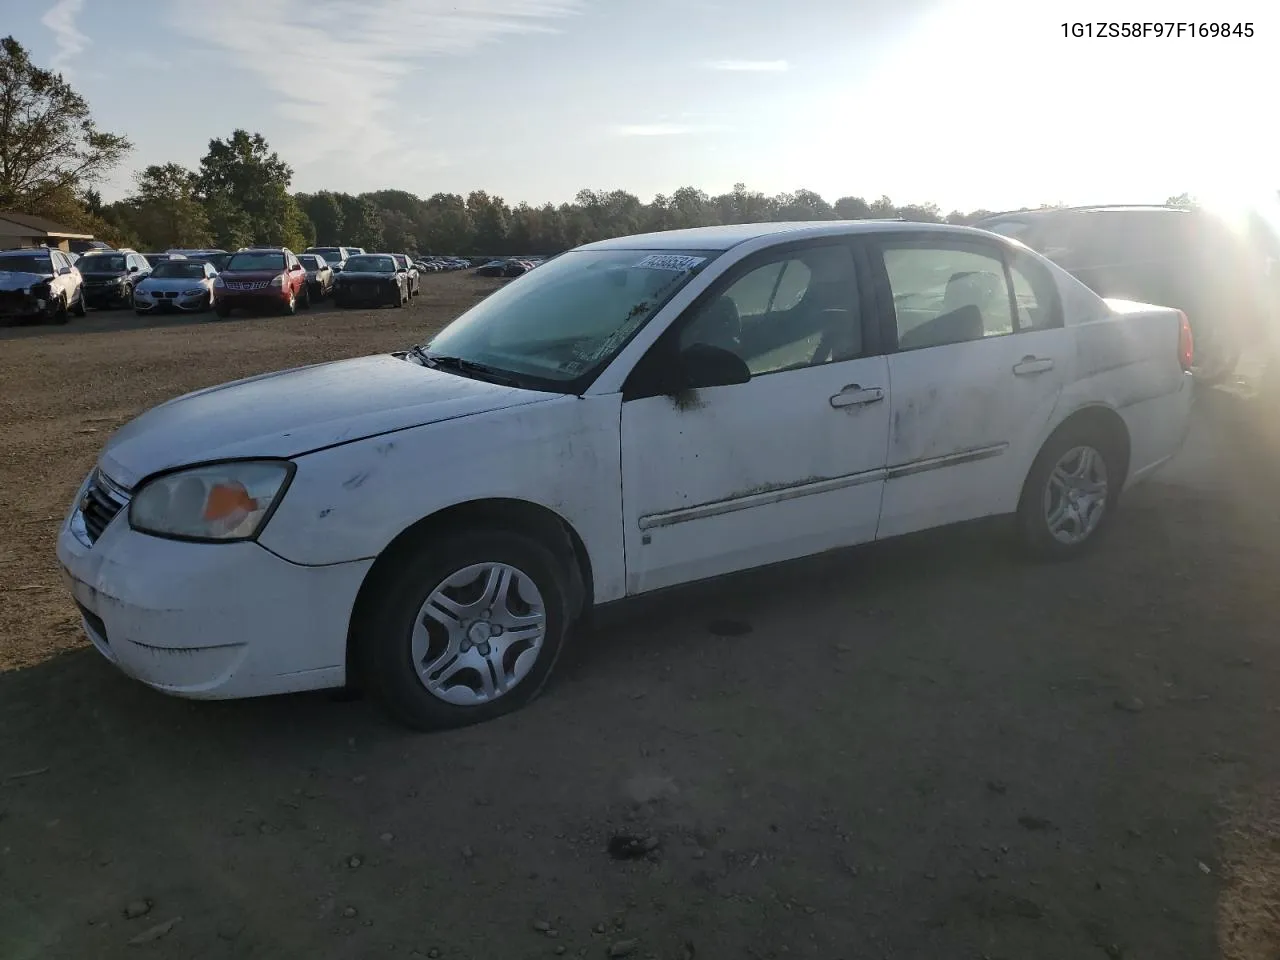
x=634 y=414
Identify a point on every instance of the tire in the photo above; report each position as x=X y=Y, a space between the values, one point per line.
x=386 y=631
x=60 y=315
x=304 y=302
x=291 y=307
x=208 y=303
x=1044 y=493
x=80 y=309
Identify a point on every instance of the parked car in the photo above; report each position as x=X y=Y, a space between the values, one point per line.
x=177 y=286
x=515 y=268
x=494 y=268
x=1213 y=269
x=336 y=257
x=111 y=275
x=218 y=260
x=84 y=246
x=371 y=279
x=319 y=275
x=262 y=280
x=155 y=258
x=39 y=284
x=411 y=271
x=637 y=413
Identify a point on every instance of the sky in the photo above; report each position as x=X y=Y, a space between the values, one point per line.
x=964 y=103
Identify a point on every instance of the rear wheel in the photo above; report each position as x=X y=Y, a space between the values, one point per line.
x=465 y=629
x=304 y=301
x=80 y=309
x=1071 y=493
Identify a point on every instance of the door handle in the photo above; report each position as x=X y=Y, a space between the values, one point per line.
x=1029 y=365
x=857 y=395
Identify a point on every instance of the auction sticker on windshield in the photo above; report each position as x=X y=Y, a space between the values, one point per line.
x=670 y=262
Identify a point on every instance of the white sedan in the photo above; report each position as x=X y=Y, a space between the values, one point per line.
x=636 y=413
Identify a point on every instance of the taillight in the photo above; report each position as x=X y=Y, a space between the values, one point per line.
x=1186 y=343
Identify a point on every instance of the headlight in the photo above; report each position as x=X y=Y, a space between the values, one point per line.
x=141 y=292
x=219 y=282
x=194 y=292
x=118 y=281
x=278 y=280
x=223 y=501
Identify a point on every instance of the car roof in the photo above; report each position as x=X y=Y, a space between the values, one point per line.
x=1045 y=212
x=727 y=236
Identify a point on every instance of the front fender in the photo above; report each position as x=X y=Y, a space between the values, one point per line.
x=349 y=502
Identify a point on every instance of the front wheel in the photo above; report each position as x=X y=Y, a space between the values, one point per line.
x=80 y=309
x=60 y=313
x=465 y=629
x=1071 y=493
x=304 y=300
x=290 y=305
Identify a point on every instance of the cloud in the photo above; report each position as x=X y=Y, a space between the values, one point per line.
x=61 y=19
x=339 y=70
x=750 y=66
x=654 y=129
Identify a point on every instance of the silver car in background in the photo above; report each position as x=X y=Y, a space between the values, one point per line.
x=177 y=286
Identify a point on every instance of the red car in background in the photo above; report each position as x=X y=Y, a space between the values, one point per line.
x=262 y=280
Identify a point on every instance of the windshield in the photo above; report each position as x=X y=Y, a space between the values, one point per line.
x=569 y=317
x=27 y=263
x=106 y=262
x=330 y=254
x=309 y=262
x=191 y=269
x=257 y=260
x=370 y=265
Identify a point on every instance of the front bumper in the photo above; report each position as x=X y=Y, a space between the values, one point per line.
x=366 y=293
x=169 y=304
x=18 y=305
x=209 y=621
x=104 y=295
x=267 y=298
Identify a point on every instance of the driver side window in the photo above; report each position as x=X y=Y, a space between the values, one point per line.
x=799 y=310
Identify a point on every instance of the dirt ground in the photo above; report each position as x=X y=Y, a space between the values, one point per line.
x=924 y=748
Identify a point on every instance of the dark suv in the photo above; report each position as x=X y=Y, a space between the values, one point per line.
x=1222 y=272
x=111 y=275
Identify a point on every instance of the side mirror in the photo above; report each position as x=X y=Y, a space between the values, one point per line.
x=134 y=268
x=703 y=365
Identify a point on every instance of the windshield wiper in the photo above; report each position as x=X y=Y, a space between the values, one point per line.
x=468 y=368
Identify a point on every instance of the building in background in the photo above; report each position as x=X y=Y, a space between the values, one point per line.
x=22 y=230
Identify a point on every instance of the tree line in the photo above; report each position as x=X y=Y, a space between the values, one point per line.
x=52 y=156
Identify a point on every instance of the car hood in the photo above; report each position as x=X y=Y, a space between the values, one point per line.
x=291 y=412
x=20 y=280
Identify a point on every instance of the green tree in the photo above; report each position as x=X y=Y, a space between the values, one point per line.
x=48 y=140
x=444 y=226
x=243 y=173
x=324 y=211
x=489 y=217
x=362 y=227
x=166 y=212
x=852 y=208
